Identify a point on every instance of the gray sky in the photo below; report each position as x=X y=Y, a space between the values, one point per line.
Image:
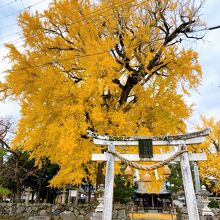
x=206 y=100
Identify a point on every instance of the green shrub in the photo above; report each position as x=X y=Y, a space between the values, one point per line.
x=213 y=203
x=4 y=191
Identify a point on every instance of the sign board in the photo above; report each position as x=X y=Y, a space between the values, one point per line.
x=73 y=193
x=145 y=148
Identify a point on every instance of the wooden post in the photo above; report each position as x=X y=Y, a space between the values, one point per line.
x=109 y=183
x=69 y=197
x=188 y=186
x=63 y=196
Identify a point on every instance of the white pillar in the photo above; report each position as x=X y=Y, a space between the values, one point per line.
x=109 y=183
x=27 y=194
x=188 y=186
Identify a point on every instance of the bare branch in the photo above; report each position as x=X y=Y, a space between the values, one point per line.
x=194 y=37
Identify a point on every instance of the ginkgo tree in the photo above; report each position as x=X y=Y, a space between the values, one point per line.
x=111 y=67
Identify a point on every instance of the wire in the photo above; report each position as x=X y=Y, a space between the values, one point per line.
x=123 y=2
x=205 y=29
x=94 y=54
x=192 y=123
x=8 y=26
x=88 y=17
x=7 y=4
x=18 y=40
x=82 y=56
x=84 y=15
x=28 y=7
x=49 y=63
x=8 y=35
x=215 y=27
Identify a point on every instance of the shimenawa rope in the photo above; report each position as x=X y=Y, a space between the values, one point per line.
x=146 y=167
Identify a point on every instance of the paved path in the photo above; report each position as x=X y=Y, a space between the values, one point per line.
x=152 y=216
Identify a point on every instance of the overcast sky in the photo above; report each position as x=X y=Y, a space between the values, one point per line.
x=206 y=100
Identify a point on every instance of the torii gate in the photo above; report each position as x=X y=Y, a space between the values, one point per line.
x=183 y=157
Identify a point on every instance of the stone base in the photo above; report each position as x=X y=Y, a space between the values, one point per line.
x=208 y=218
x=40 y=218
x=206 y=211
x=96 y=216
x=67 y=215
x=199 y=203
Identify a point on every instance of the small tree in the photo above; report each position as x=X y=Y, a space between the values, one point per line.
x=17 y=171
x=175 y=179
x=123 y=189
x=3 y=192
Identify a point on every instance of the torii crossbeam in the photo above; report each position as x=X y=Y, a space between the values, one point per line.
x=184 y=158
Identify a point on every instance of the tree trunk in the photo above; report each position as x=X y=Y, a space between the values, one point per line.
x=18 y=192
x=32 y=196
x=18 y=183
x=38 y=190
x=89 y=193
x=100 y=179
